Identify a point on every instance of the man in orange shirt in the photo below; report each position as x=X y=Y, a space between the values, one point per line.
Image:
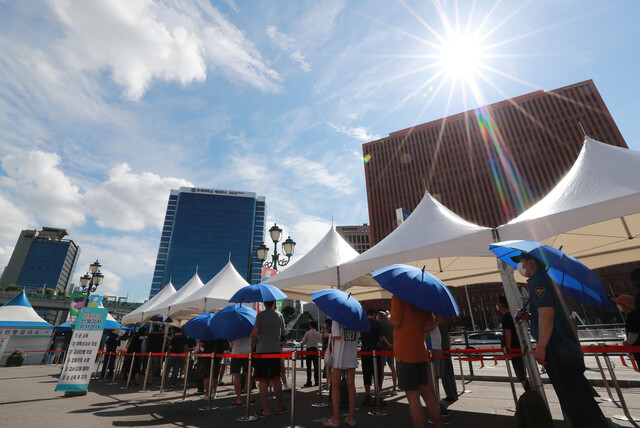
x=409 y=325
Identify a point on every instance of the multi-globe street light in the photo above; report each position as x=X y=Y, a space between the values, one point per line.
x=90 y=283
x=288 y=247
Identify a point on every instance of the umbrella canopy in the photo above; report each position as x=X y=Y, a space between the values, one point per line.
x=233 y=322
x=417 y=287
x=574 y=278
x=199 y=327
x=342 y=307
x=257 y=293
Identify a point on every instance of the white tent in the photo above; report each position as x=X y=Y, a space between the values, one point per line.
x=319 y=269
x=164 y=308
x=214 y=295
x=593 y=212
x=136 y=316
x=27 y=330
x=450 y=247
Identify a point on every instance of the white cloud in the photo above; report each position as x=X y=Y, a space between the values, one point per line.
x=142 y=41
x=129 y=201
x=307 y=172
x=288 y=45
x=41 y=188
x=359 y=132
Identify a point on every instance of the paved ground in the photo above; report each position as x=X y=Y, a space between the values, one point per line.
x=27 y=397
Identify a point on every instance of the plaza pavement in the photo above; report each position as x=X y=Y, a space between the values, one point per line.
x=28 y=398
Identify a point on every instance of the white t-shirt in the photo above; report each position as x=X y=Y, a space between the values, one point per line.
x=345 y=349
x=311 y=339
x=241 y=346
x=436 y=338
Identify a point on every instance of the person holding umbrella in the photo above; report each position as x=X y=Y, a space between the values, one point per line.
x=558 y=347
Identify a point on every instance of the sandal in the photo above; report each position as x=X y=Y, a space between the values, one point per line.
x=351 y=424
x=235 y=403
x=261 y=414
x=330 y=423
x=281 y=411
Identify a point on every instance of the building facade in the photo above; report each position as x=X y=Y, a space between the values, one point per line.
x=204 y=229
x=359 y=237
x=489 y=164
x=42 y=259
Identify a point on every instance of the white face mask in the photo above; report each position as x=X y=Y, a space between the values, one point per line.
x=521 y=269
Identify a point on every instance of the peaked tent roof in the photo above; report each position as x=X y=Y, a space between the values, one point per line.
x=111 y=323
x=18 y=312
x=318 y=269
x=593 y=212
x=214 y=295
x=135 y=316
x=163 y=308
x=450 y=247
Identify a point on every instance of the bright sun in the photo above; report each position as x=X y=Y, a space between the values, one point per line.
x=461 y=56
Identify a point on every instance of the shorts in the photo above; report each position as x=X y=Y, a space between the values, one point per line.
x=388 y=359
x=412 y=375
x=226 y=361
x=238 y=364
x=267 y=369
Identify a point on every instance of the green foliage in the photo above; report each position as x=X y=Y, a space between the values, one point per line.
x=63 y=293
x=49 y=291
x=39 y=290
x=13 y=287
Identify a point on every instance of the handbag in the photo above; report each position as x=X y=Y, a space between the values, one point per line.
x=328 y=354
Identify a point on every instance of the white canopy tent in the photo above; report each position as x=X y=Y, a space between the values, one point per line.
x=319 y=269
x=450 y=247
x=214 y=295
x=164 y=308
x=593 y=212
x=136 y=316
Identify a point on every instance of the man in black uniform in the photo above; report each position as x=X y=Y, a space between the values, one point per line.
x=370 y=342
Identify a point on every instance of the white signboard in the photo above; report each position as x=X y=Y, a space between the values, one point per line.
x=4 y=339
x=83 y=350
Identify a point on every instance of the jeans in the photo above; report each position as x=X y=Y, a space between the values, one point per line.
x=174 y=364
x=573 y=390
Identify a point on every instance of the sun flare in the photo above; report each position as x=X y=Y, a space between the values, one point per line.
x=461 y=56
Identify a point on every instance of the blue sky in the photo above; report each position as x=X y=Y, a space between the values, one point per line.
x=107 y=105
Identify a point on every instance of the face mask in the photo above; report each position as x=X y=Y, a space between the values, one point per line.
x=521 y=269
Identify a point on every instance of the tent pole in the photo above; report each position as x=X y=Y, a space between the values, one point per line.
x=512 y=293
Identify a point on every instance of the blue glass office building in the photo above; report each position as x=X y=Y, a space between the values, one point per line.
x=202 y=229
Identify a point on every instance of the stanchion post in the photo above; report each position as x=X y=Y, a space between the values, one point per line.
x=432 y=370
x=100 y=359
x=164 y=372
x=116 y=367
x=513 y=387
x=186 y=377
x=133 y=359
x=627 y=416
x=146 y=374
x=210 y=386
x=464 y=386
x=293 y=392
x=247 y=417
x=319 y=367
x=604 y=379
x=376 y=385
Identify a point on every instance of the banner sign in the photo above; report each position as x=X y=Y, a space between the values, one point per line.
x=78 y=301
x=26 y=331
x=83 y=350
x=267 y=273
x=95 y=301
x=260 y=306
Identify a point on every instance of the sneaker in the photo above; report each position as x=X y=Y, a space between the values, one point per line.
x=394 y=391
x=368 y=401
x=445 y=413
x=307 y=385
x=221 y=383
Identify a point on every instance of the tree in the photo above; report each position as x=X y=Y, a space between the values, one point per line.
x=288 y=311
x=40 y=290
x=49 y=292
x=13 y=287
x=63 y=293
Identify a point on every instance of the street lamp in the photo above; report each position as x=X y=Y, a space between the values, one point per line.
x=90 y=283
x=288 y=246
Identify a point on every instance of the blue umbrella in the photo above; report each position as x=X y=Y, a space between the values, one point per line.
x=418 y=287
x=342 y=307
x=257 y=293
x=575 y=279
x=199 y=327
x=233 y=322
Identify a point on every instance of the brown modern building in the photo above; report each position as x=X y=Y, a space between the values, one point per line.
x=489 y=164
x=359 y=237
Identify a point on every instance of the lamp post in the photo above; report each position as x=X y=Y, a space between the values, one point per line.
x=288 y=247
x=90 y=283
